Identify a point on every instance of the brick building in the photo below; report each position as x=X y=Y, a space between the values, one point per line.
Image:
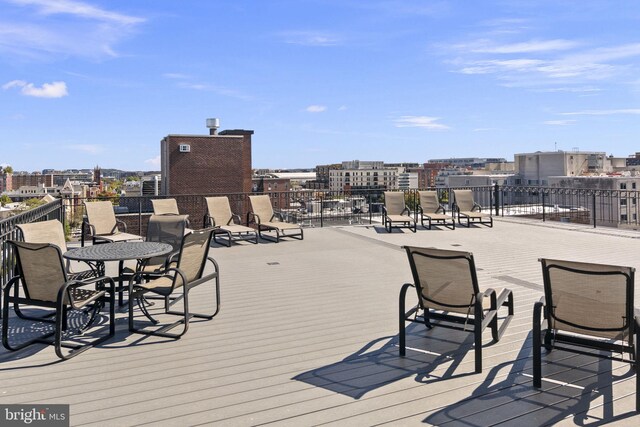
x=206 y=164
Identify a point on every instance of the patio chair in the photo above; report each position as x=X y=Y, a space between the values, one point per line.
x=587 y=306
x=267 y=221
x=448 y=291
x=51 y=231
x=469 y=210
x=225 y=222
x=103 y=225
x=45 y=284
x=395 y=211
x=429 y=208
x=189 y=272
x=165 y=207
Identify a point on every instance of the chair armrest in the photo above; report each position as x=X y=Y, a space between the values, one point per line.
x=253 y=217
x=420 y=210
x=124 y=226
x=208 y=221
x=235 y=219
x=92 y=228
x=384 y=211
x=66 y=288
x=475 y=205
x=406 y=209
x=278 y=216
x=441 y=208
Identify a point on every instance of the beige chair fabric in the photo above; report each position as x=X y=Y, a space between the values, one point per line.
x=266 y=220
x=219 y=215
x=165 y=207
x=470 y=210
x=584 y=301
x=103 y=224
x=51 y=232
x=396 y=213
x=431 y=209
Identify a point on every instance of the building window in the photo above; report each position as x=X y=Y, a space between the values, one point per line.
x=623 y=202
x=633 y=185
x=623 y=185
x=623 y=217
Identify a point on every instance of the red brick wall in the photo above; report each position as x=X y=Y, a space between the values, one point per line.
x=216 y=164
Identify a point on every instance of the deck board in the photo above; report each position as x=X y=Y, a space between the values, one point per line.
x=307 y=335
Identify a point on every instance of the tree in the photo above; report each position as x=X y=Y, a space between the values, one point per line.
x=4 y=199
x=34 y=203
x=8 y=169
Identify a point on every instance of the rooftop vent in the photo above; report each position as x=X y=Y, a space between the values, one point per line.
x=213 y=125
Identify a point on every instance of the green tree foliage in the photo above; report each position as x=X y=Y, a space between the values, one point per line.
x=4 y=199
x=8 y=169
x=34 y=203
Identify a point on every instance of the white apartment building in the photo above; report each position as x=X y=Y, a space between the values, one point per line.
x=376 y=178
x=407 y=180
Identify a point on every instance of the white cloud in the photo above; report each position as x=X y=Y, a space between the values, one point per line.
x=603 y=112
x=316 y=108
x=177 y=76
x=154 y=161
x=310 y=38
x=87 y=30
x=559 y=122
x=342 y=108
x=47 y=90
x=77 y=8
x=420 y=122
x=220 y=90
x=486 y=46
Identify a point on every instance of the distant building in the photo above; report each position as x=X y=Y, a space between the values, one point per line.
x=363 y=176
x=218 y=163
x=536 y=168
x=472 y=162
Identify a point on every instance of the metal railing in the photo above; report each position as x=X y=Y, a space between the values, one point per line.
x=321 y=208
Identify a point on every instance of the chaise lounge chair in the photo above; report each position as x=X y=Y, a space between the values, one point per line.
x=267 y=221
x=429 y=208
x=103 y=225
x=586 y=306
x=226 y=223
x=448 y=291
x=469 y=210
x=395 y=211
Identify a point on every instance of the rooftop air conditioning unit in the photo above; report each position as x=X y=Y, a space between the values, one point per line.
x=185 y=148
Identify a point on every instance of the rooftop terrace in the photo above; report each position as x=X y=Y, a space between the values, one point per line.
x=307 y=335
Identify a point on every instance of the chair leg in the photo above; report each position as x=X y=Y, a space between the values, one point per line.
x=537 y=345
x=402 y=319
x=477 y=335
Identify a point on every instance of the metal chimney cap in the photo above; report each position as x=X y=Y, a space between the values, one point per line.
x=213 y=123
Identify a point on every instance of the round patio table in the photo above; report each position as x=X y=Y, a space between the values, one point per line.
x=97 y=255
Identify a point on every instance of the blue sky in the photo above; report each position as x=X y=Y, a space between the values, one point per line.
x=85 y=83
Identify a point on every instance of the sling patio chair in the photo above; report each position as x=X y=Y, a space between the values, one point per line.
x=448 y=291
x=590 y=306
x=51 y=231
x=469 y=210
x=267 y=221
x=395 y=211
x=45 y=284
x=168 y=207
x=103 y=225
x=429 y=208
x=188 y=272
x=225 y=222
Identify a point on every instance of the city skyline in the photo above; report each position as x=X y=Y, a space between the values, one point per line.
x=319 y=81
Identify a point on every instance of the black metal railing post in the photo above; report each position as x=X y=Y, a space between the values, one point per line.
x=543 y=208
x=594 y=209
x=322 y=212
x=496 y=198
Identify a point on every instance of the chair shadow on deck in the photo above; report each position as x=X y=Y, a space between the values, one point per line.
x=378 y=363
x=574 y=384
x=21 y=330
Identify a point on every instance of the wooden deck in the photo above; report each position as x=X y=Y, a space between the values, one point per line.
x=307 y=335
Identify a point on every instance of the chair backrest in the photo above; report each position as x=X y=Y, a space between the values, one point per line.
x=444 y=279
x=44 y=232
x=165 y=207
x=42 y=270
x=219 y=210
x=394 y=202
x=429 y=201
x=101 y=216
x=193 y=253
x=261 y=206
x=167 y=229
x=591 y=299
x=464 y=199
